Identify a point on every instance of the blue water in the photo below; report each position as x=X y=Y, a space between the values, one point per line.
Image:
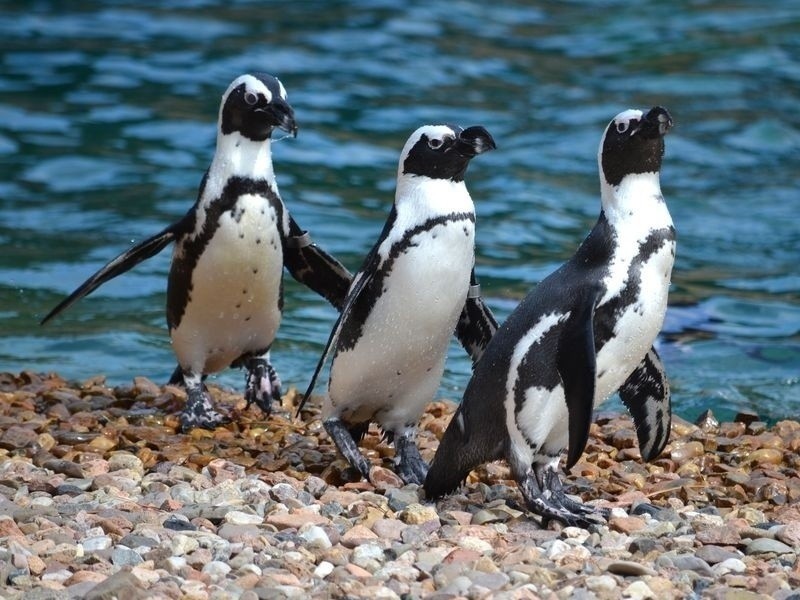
x=107 y=122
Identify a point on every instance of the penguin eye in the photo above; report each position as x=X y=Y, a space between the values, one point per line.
x=623 y=126
x=435 y=143
x=250 y=98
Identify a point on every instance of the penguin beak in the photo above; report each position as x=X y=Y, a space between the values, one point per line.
x=655 y=123
x=473 y=141
x=279 y=114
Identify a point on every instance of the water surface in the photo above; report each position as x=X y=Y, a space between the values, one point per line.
x=107 y=122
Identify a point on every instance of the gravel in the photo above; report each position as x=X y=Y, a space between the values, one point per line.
x=101 y=497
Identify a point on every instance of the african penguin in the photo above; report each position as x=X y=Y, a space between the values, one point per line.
x=586 y=331
x=415 y=289
x=225 y=286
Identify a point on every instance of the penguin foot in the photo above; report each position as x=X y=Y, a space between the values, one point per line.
x=550 y=502
x=347 y=446
x=410 y=465
x=262 y=384
x=200 y=412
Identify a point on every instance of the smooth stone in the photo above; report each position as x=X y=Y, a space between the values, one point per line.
x=216 y=570
x=715 y=554
x=686 y=562
x=629 y=568
x=389 y=529
x=767 y=546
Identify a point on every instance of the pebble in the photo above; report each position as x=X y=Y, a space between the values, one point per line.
x=767 y=546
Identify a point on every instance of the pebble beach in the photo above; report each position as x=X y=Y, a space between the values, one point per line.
x=101 y=498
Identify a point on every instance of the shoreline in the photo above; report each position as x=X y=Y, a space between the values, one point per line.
x=100 y=496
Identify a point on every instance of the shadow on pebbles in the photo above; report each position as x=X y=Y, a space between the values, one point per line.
x=100 y=497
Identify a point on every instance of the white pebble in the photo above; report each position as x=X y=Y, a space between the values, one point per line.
x=238 y=517
x=638 y=590
x=368 y=556
x=183 y=544
x=174 y=564
x=216 y=569
x=476 y=544
x=323 y=569
x=575 y=533
x=93 y=544
x=315 y=536
x=729 y=565
x=556 y=549
x=601 y=583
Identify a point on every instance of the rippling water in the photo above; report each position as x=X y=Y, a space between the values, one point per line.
x=107 y=122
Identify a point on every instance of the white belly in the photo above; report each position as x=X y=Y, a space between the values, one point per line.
x=233 y=306
x=637 y=328
x=395 y=367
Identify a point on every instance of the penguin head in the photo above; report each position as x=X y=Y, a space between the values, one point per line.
x=633 y=143
x=443 y=151
x=255 y=104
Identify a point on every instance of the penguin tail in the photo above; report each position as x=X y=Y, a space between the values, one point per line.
x=459 y=452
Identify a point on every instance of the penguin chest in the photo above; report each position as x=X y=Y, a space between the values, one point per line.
x=637 y=319
x=395 y=366
x=234 y=302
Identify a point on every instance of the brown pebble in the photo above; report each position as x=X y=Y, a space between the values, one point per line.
x=771 y=456
x=384 y=479
x=686 y=451
x=356 y=536
x=8 y=528
x=627 y=525
x=719 y=536
x=462 y=555
x=357 y=571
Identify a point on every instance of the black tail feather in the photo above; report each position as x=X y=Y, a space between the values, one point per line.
x=459 y=452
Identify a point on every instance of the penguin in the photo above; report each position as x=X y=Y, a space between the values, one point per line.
x=415 y=289
x=584 y=332
x=225 y=286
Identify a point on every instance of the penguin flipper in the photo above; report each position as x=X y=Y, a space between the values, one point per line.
x=646 y=395
x=477 y=324
x=119 y=265
x=315 y=268
x=360 y=282
x=576 y=363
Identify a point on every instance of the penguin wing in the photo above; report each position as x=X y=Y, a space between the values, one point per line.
x=121 y=264
x=576 y=363
x=477 y=324
x=647 y=397
x=315 y=268
x=360 y=282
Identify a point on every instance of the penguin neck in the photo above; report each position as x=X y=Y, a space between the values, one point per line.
x=636 y=203
x=420 y=197
x=238 y=156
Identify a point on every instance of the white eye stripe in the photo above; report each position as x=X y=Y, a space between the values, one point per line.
x=622 y=126
x=435 y=143
x=250 y=98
